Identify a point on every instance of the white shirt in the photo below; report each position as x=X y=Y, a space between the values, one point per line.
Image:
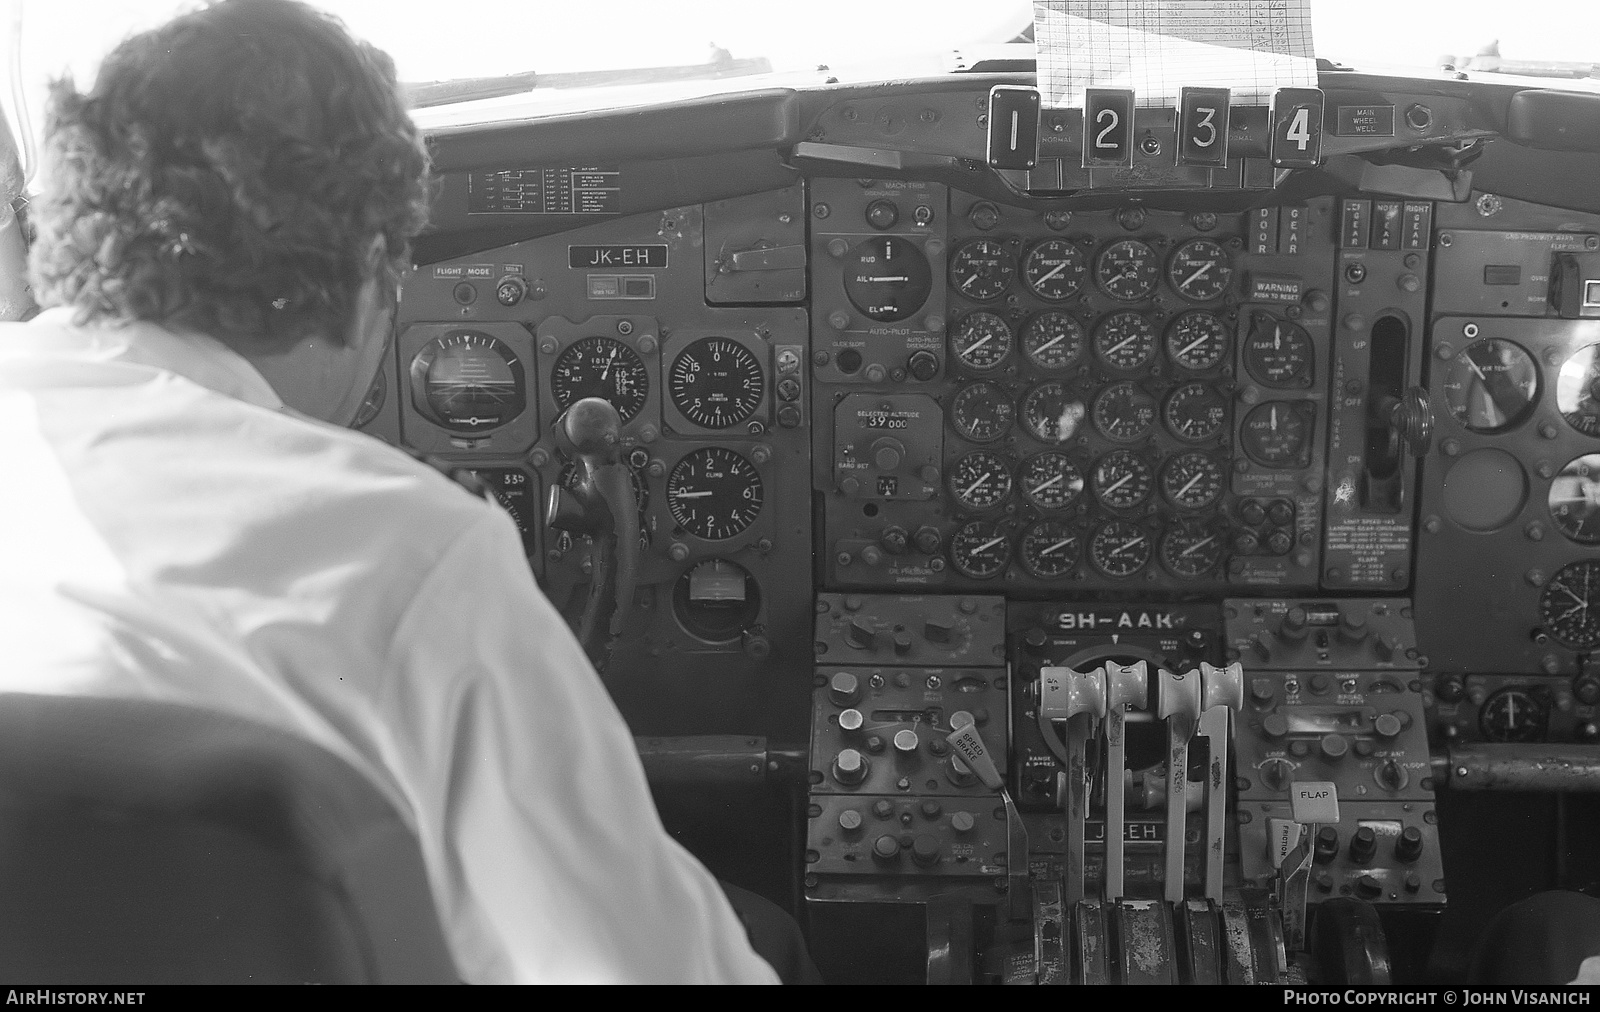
x=169 y=530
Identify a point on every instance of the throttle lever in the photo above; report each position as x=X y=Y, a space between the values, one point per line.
x=603 y=505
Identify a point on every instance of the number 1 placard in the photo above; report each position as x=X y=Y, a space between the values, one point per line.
x=1296 y=128
x=1203 y=127
x=1107 y=127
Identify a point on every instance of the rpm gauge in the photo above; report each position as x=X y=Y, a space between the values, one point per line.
x=601 y=367
x=1192 y=480
x=1277 y=434
x=981 y=550
x=714 y=493
x=1491 y=386
x=1124 y=341
x=980 y=481
x=1119 y=549
x=1052 y=413
x=981 y=270
x=469 y=381
x=1197 y=340
x=1055 y=269
x=1578 y=390
x=982 y=412
x=1050 y=549
x=1200 y=270
x=1575 y=499
x=980 y=341
x=1051 y=481
x=1127 y=270
x=1570 y=605
x=1124 y=412
x=1190 y=550
x=1054 y=341
x=887 y=278
x=1121 y=480
x=1278 y=353
x=716 y=382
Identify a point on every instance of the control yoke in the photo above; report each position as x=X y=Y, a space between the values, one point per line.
x=601 y=504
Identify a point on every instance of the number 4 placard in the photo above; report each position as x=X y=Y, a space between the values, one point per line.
x=1203 y=127
x=1296 y=128
x=1107 y=127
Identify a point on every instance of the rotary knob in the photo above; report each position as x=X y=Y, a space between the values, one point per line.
x=844 y=688
x=925 y=850
x=1293 y=626
x=1391 y=776
x=850 y=767
x=1326 y=846
x=1334 y=747
x=886 y=848
x=1409 y=847
x=905 y=741
x=1387 y=725
x=1363 y=845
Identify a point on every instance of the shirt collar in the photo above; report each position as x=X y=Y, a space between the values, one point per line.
x=197 y=357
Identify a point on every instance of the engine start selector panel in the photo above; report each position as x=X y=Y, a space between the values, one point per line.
x=1054 y=402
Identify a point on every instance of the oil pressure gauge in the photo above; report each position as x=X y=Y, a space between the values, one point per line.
x=981 y=270
x=1200 y=270
x=1055 y=269
x=1127 y=270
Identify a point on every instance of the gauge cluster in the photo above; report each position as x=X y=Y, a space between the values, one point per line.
x=1092 y=400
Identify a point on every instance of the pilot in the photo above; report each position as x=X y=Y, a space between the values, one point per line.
x=187 y=518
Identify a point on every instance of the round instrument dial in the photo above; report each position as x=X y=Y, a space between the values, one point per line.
x=981 y=550
x=980 y=481
x=982 y=412
x=1192 y=480
x=1575 y=499
x=1570 y=605
x=1123 y=412
x=601 y=367
x=1513 y=715
x=980 y=341
x=1491 y=386
x=1278 y=353
x=1197 y=340
x=981 y=269
x=1055 y=269
x=716 y=382
x=1127 y=270
x=1121 y=480
x=1054 y=341
x=1119 y=549
x=1190 y=550
x=1051 y=413
x=1578 y=390
x=714 y=493
x=1195 y=412
x=1277 y=434
x=1050 y=549
x=469 y=381
x=1051 y=481
x=1124 y=341
x=1200 y=270
x=887 y=278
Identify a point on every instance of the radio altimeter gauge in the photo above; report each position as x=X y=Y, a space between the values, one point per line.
x=980 y=481
x=469 y=381
x=1570 y=605
x=1054 y=269
x=1278 y=353
x=1575 y=499
x=1127 y=270
x=1578 y=390
x=601 y=367
x=1491 y=386
x=887 y=278
x=716 y=382
x=981 y=550
x=714 y=493
x=981 y=270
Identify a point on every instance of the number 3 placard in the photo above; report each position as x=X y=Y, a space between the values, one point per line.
x=1203 y=127
x=1107 y=127
x=1296 y=128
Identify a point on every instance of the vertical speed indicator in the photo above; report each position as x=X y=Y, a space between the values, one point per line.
x=716 y=382
x=714 y=493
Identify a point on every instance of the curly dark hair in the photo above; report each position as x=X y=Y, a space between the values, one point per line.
x=229 y=173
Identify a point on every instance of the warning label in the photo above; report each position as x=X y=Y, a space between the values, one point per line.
x=1367 y=549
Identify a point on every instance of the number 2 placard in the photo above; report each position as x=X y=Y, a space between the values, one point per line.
x=1296 y=128
x=1107 y=127
x=1203 y=127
